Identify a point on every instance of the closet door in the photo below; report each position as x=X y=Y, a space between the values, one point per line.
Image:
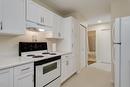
x=104 y=45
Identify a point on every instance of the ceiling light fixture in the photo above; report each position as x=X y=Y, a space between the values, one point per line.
x=41 y=30
x=99 y=21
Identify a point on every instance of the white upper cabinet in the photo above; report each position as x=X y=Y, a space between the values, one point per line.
x=6 y=78
x=12 y=17
x=57 y=29
x=47 y=17
x=38 y=14
x=33 y=12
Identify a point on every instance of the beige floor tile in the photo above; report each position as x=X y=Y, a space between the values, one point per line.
x=90 y=77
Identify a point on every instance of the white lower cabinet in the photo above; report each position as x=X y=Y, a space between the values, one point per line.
x=20 y=76
x=23 y=76
x=68 y=67
x=6 y=78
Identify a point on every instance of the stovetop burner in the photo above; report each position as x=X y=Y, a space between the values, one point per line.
x=49 y=53
x=46 y=53
x=52 y=53
x=35 y=56
x=31 y=55
x=38 y=56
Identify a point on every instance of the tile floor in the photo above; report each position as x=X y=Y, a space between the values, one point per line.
x=90 y=77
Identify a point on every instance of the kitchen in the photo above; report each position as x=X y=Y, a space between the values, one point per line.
x=29 y=49
x=41 y=48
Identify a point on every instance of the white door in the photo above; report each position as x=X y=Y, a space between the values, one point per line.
x=83 y=60
x=104 y=46
x=70 y=65
x=24 y=75
x=25 y=80
x=34 y=12
x=47 y=18
x=6 y=78
x=13 y=16
x=63 y=68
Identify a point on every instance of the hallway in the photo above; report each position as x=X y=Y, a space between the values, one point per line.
x=90 y=77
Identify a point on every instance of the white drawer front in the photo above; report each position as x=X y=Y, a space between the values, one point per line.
x=23 y=69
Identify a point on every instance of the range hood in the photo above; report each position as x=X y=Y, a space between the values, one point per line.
x=32 y=26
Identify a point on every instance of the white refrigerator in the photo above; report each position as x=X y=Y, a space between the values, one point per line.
x=121 y=52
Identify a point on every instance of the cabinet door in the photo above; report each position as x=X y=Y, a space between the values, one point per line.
x=47 y=18
x=34 y=12
x=76 y=43
x=63 y=68
x=57 y=26
x=24 y=81
x=60 y=27
x=6 y=78
x=72 y=62
x=23 y=76
x=13 y=18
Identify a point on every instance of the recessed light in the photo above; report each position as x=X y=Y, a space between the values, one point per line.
x=41 y=30
x=99 y=21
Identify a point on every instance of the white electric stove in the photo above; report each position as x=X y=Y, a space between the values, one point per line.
x=47 y=67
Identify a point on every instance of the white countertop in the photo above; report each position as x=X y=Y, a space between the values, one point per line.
x=8 y=62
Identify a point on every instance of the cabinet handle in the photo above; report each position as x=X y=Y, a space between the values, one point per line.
x=25 y=69
x=1 y=25
x=41 y=19
x=66 y=56
x=59 y=34
x=67 y=63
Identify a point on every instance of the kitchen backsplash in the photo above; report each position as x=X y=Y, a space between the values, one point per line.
x=9 y=44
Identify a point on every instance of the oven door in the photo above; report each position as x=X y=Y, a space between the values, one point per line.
x=47 y=73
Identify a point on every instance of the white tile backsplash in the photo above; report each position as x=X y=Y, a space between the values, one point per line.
x=9 y=44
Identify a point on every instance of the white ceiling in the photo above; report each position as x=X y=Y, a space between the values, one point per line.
x=82 y=9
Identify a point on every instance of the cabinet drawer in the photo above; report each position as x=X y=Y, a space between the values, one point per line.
x=23 y=69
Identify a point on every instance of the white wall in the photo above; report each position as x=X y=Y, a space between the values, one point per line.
x=9 y=45
x=100 y=53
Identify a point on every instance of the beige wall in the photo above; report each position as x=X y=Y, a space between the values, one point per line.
x=9 y=44
x=120 y=8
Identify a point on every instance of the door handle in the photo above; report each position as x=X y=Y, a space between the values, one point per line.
x=117 y=43
x=41 y=19
x=25 y=69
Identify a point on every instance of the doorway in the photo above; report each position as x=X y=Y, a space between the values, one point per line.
x=91 y=47
x=99 y=47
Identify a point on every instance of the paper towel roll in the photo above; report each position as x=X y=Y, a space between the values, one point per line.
x=54 y=47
